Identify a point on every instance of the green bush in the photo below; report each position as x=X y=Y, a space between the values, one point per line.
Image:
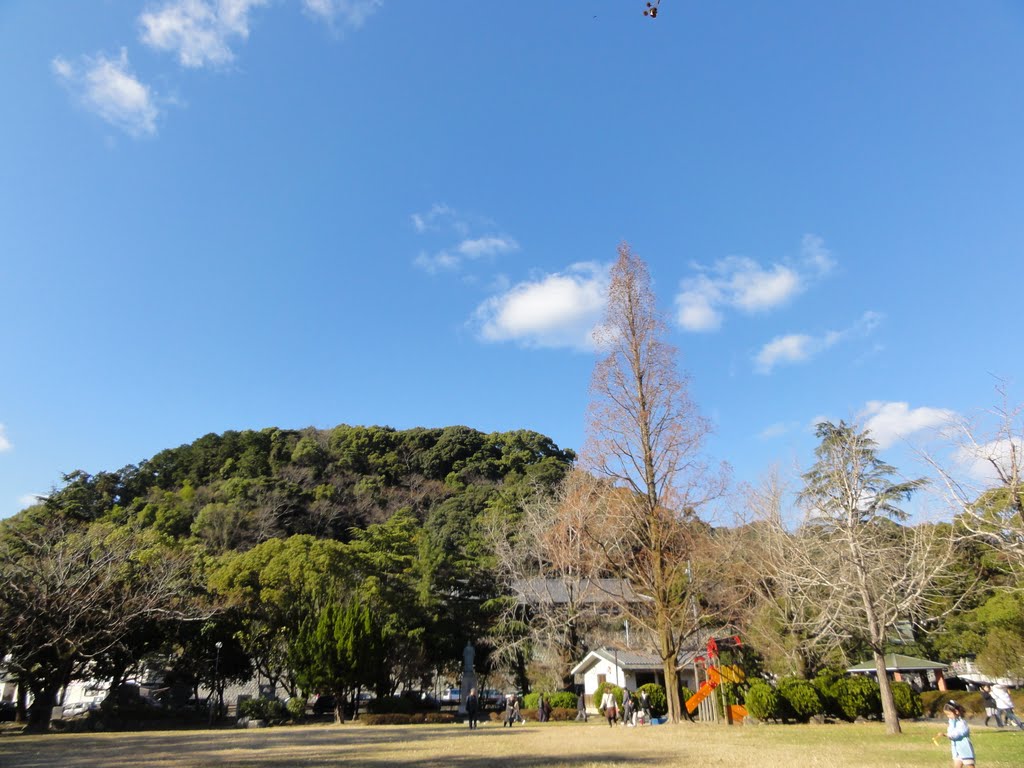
x=563 y=699
x=438 y=717
x=800 y=699
x=763 y=701
x=395 y=718
x=827 y=683
x=296 y=707
x=659 y=704
x=857 y=696
x=908 y=701
x=270 y=710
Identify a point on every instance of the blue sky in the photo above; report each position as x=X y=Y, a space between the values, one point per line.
x=234 y=214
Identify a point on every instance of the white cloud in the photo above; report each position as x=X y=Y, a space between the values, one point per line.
x=352 y=12
x=793 y=348
x=436 y=262
x=815 y=255
x=741 y=283
x=432 y=219
x=5 y=443
x=30 y=499
x=798 y=347
x=198 y=31
x=487 y=246
x=778 y=429
x=558 y=310
x=891 y=421
x=985 y=462
x=106 y=87
x=453 y=228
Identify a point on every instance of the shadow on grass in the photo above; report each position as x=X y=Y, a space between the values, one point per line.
x=303 y=747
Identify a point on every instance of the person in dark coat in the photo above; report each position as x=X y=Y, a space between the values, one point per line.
x=581 y=707
x=511 y=715
x=991 y=710
x=542 y=712
x=472 y=708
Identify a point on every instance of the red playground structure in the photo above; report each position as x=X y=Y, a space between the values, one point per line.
x=718 y=673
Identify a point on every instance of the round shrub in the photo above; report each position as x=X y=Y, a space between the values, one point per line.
x=763 y=701
x=908 y=701
x=270 y=710
x=857 y=696
x=296 y=707
x=800 y=698
x=561 y=700
x=827 y=684
x=659 y=703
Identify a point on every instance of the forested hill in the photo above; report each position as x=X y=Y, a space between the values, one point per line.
x=234 y=490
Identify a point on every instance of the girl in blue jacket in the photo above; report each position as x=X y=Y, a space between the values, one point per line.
x=959 y=735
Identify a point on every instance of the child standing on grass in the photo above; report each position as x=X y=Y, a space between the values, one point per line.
x=959 y=735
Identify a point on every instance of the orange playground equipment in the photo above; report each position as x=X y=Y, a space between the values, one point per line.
x=718 y=673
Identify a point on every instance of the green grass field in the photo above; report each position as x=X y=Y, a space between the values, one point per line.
x=491 y=746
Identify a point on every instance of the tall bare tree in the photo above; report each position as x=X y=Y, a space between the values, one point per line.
x=646 y=435
x=984 y=480
x=854 y=569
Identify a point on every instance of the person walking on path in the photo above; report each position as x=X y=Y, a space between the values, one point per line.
x=608 y=706
x=627 y=707
x=991 y=710
x=645 y=707
x=472 y=708
x=581 y=708
x=1005 y=705
x=959 y=735
x=541 y=709
x=510 y=711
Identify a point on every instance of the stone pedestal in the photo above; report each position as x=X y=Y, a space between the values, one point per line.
x=468 y=676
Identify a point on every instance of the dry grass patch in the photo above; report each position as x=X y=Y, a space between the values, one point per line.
x=560 y=745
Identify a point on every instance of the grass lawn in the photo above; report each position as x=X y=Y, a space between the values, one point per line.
x=491 y=746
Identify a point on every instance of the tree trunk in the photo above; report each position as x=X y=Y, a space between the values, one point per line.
x=41 y=711
x=675 y=706
x=889 y=714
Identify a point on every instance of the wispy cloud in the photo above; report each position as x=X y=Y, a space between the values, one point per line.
x=198 y=32
x=738 y=282
x=352 y=13
x=800 y=347
x=889 y=422
x=30 y=499
x=989 y=463
x=5 y=443
x=451 y=225
x=108 y=88
x=556 y=310
x=778 y=429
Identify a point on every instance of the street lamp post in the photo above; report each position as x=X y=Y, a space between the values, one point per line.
x=216 y=703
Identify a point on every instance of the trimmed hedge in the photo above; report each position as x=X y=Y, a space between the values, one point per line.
x=800 y=699
x=908 y=701
x=858 y=696
x=296 y=707
x=271 y=710
x=827 y=684
x=563 y=699
x=763 y=701
x=415 y=718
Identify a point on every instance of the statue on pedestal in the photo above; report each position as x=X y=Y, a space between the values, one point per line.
x=468 y=676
